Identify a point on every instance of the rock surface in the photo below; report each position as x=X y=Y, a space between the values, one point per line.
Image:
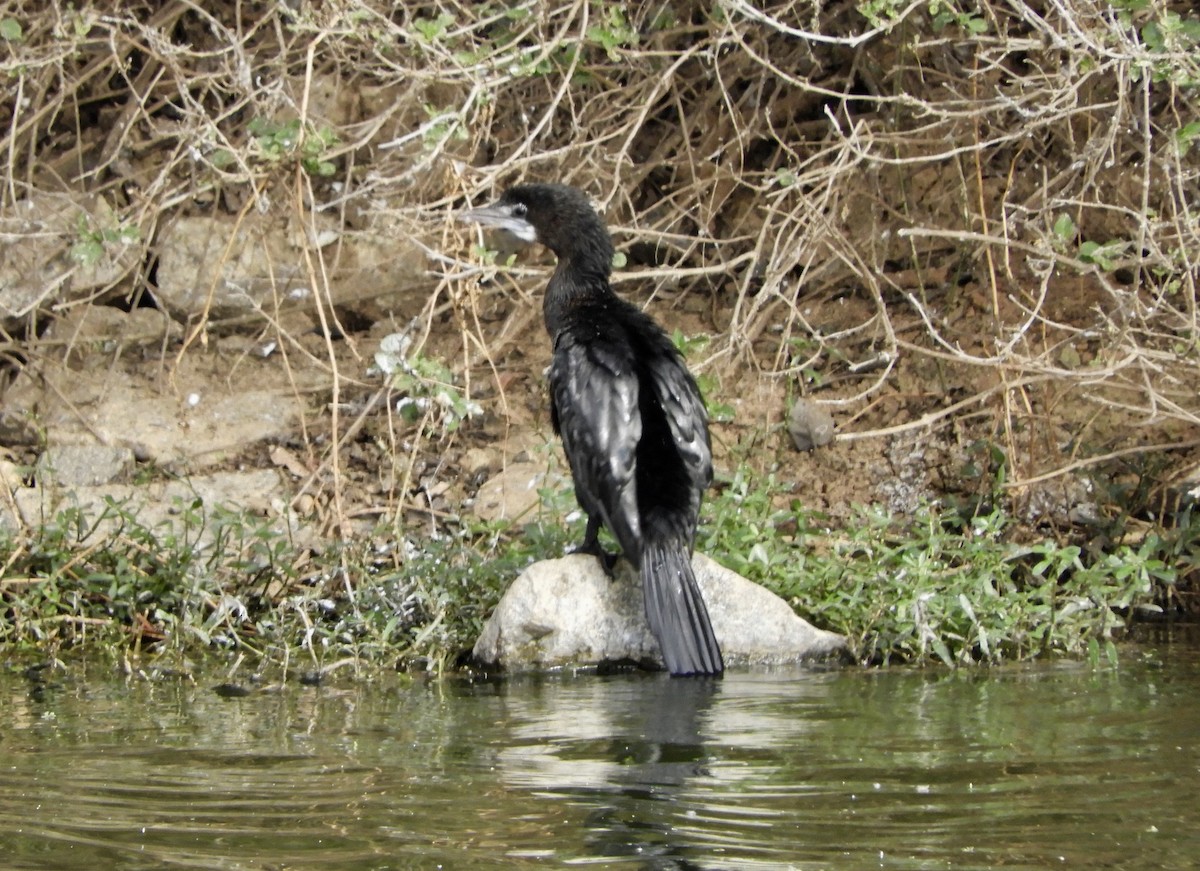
x=513 y=493
x=220 y=402
x=83 y=465
x=567 y=612
x=71 y=245
x=201 y=269
x=161 y=505
x=224 y=267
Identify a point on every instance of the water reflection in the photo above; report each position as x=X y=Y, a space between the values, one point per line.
x=1019 y=768
x=627 y=750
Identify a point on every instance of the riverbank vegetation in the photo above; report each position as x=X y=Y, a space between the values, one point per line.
x=940 y=586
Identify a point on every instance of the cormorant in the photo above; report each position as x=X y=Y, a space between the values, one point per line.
x=630 y=416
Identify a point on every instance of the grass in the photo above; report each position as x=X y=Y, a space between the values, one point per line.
x=941 y=587
x=938 y=587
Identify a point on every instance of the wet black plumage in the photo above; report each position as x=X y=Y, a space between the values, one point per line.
x=630 y=416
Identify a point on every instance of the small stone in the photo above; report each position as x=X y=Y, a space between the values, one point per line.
x=479 y=460
x=511 y=494
x=810 y=425
x=83 y=465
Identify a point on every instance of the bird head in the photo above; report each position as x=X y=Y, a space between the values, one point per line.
x=557 y=216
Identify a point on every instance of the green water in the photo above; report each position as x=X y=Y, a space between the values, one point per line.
x=1053 y=766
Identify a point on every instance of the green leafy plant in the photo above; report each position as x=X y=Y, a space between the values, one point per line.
x=806 y=354
x=1105 y=255
x=1065 y=230
x=426 y=386
x=11 y=30
x=1186 y=136
x=431 y=30
x=937 y=587
x=112 y=579
x=888 y=13
x=944 y=14
x=91 y=241
x=613 y=32
x=1170 y=40
x=880 y=13
x=276 y=142
x=934 y=587
x=443 y=124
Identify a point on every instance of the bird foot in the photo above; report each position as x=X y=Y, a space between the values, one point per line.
x=608 y=561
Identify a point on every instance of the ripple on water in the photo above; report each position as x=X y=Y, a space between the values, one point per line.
x=1015 y=768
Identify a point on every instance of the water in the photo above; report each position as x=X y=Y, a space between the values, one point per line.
x=1018 y=768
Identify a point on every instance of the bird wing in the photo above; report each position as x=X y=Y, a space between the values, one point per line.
x=594 y=391
x=683 y=408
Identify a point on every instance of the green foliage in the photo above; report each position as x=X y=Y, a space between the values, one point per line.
x=785 y=177
x=443 y=124
x=111 y=579
x=880 y=13
x=1170 y=39
x=215 y=579
x=804 y=349
x=11 y=30
x=1065 y=229
x=1186 y=136
x=613 y=32
x=426 y=386
x=945 y=14
x=91 y=242
x=888 y=13
x=459 y=576
x=279 y=142
x=1102 y=254
x=939 y=587
x=432 y=29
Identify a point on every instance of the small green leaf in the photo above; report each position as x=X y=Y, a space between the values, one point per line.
x=1186 y=135
x=943 y=652
x=1152 y=35
x=432 y=29
x=619 y=260
x=1101 y=255
x=1069 y=357
x=87 y=251
x=721 y=412
x=1064 y=227
x=11 y=30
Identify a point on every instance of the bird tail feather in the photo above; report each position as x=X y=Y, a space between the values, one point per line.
x=675 y=610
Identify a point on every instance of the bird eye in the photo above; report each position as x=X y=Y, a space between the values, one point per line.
x=519 y=210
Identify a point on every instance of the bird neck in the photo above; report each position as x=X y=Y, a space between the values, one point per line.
x=571 y=286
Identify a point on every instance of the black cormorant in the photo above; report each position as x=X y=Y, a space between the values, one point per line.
x=630 y=416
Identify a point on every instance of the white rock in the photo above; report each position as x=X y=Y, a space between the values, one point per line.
x=567 y=612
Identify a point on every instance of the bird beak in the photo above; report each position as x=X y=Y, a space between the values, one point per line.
x=503 y=218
